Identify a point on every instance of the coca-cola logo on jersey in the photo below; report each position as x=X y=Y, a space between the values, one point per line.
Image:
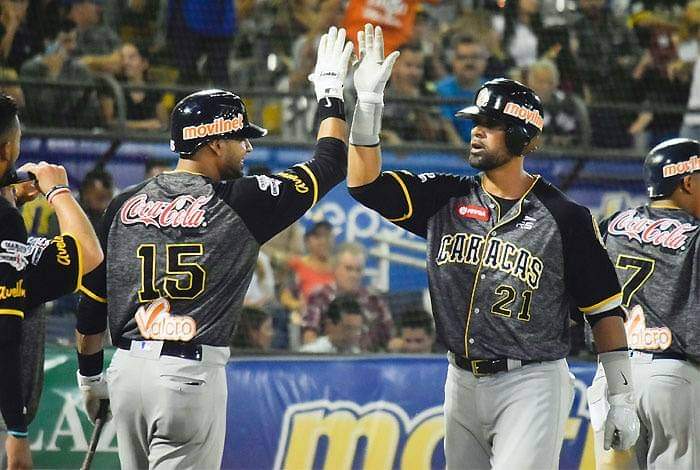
x=665 y=232
x=184 y=211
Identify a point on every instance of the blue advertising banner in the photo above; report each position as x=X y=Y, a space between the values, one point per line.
x=335 y=413
x=341 y=413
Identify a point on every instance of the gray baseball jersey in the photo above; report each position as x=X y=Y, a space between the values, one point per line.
x=656 y=251
x=501 y=284
x=181 y=248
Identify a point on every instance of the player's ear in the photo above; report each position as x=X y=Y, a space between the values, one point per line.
x=532 y=146
x=216 y=147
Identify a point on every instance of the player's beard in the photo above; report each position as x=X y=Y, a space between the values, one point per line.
x=233 y=170
x=486 y=160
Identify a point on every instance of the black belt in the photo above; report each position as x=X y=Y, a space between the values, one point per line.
x=171 y=348
x=480 y=367
x=665 y=355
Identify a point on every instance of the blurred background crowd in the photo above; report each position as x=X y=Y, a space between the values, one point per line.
x=615 y=76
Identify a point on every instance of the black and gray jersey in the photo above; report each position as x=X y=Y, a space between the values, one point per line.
x=501 y=284
x=656 y=252
x=181 y=249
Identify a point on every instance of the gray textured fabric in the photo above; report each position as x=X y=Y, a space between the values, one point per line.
x=657 y=256
x=227 y=253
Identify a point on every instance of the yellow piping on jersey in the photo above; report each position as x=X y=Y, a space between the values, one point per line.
x=664 y=205
x=92 y=295
x=186 y=171
x=313 y=180
x=483 y=254
x=406 y=194
x=604 y=305
x=9 y=311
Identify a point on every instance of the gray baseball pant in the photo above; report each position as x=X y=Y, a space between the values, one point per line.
x=169 y=412
x=508 y=420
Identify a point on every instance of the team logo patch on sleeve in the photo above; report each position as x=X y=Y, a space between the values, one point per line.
x=15 y=253
x=471 y=211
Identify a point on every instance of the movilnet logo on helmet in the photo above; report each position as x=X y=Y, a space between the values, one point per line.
x=687 y=166
x=218 y=126
x=473 y=212
x=184 y=211
x=666 y=232
x=531 y=116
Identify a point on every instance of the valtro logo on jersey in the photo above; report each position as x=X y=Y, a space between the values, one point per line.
x=470 y=211
x=666 y=232
x=184 y=211
x=155 y=322
x=639 y=336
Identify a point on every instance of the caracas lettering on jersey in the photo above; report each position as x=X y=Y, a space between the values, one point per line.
x=17 y=291
x=504 y=256
x=665 y=232
x=184 y=211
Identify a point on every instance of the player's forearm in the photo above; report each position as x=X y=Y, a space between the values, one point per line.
x=72 y=219
x=90 y=353
x=333 y=127
x=609 y=334
x=364 y=165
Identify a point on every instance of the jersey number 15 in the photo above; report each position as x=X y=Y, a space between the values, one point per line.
x=183 y=279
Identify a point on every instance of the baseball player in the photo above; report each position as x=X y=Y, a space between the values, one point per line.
x=181 y=249
x=32 y=271
x=508 y=254
x=656 y=251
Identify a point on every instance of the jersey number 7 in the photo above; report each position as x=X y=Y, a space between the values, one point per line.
x=643 y=268
x=183 y=279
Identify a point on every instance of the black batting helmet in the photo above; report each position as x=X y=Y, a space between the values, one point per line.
x=208 y=115
x=667 y=164
x=513 y=104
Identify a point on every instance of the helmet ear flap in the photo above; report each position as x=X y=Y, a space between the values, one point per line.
x=516 y=139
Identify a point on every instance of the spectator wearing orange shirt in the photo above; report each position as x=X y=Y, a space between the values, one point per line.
x=313 y=270
x=396 y=17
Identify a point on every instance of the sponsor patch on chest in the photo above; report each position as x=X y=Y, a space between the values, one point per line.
x=472 y=211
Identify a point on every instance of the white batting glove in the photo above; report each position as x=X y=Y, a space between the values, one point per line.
x=622 y=422
x=372 y=72
x=94 y=389
x=331 y=64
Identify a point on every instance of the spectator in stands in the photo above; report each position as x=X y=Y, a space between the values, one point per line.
x=518 y=28
x=344 y=327
x=144 y=108
x=134 y=21
x=397 y=19
x=156 y=166
x=96 y=192
x=313 y=270
x=655 y=83
x=479 y=24
x=94 y=37
x=254 y=330
x=199 y=29
x=261 y=291
x=687 y=67
x=348 y=270
x=18 y=41
x=566 y=122
x=406 y=122
x=14 y=91
x=468 y=58
x=55 y=106
x=606 y=50
x=416 y=333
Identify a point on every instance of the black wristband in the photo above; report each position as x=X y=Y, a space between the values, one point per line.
x=331 y=107
x=91 y=364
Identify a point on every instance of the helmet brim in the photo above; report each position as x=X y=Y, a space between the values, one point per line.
x=470 y=112
x=252 y=131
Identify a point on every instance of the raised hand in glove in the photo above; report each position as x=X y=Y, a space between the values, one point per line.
x=372 y=72
x=94 y=389
x=622 y=423
x=332 y=62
